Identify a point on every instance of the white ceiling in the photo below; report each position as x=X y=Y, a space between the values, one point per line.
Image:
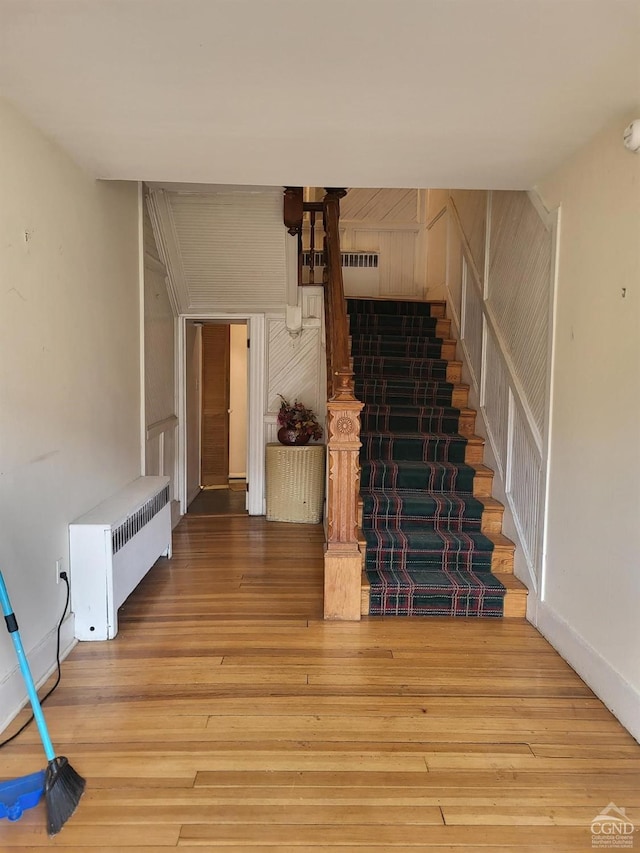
x=405 y=93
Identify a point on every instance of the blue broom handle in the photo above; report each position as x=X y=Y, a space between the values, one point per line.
x=12 y=627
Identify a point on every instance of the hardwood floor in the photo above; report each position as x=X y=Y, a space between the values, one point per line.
x=227 y=714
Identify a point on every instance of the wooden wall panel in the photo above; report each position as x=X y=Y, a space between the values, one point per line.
x=471 y=206
x=436 y=201
x=437 y=258
x=294 y=367
x=472 y=327
x=215 y=404
x=380 y=205
x=225 y=250
x=495 y=402
x=159 y=348
x=519 y=291
x=525 y=488
x=454 y=274
x=397 y=264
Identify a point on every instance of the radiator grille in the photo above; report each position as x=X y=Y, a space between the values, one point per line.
x=364 y=260
x=128 y=529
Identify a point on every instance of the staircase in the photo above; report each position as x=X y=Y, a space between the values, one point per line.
x=429 y=526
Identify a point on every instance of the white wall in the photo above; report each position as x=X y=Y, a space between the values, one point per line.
x=591 y=595
x=69 y=372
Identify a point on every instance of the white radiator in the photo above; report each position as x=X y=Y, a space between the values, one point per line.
x=112 y=548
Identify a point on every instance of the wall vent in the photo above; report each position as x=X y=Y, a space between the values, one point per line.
x=128 y=529
x=359 y=260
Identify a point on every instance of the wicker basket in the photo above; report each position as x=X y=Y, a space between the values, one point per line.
x=295 y=482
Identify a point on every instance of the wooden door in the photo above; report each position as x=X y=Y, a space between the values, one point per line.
x=215 y=405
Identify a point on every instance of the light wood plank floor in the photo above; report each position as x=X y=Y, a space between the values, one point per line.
x=227 y=714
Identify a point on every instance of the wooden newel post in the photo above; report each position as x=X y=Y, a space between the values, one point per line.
x=343 y=560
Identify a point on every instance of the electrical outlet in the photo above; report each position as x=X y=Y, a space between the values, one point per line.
x=59 y=568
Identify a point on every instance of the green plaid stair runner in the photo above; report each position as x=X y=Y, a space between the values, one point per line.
x=426 y=555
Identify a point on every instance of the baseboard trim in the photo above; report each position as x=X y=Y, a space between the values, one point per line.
x=620 y=697
x=42 y=663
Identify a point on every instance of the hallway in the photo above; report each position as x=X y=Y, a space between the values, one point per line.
x=227 y=714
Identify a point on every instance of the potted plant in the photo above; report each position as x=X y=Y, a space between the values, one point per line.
x=298 y=424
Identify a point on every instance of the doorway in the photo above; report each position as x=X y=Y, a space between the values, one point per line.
x=216 y=416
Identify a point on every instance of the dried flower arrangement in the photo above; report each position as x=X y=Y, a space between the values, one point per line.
x=299 y=420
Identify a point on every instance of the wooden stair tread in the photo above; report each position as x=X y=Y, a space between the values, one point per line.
x=501 y=542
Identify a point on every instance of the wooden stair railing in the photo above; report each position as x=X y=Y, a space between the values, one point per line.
x=342 y=559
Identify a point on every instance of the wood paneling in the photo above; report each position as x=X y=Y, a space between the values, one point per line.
x=495 y=402
x=228 y=715
x=215 y=405
x=471 y=206
x=225 y=250
x=519 y=292
x=472 y=328
x=293 y=367
x=380 y=205
x=436 y=274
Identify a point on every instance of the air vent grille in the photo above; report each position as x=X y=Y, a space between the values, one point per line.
x=362 y=260
x=128 y=529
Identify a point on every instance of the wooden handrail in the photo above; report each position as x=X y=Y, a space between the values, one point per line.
x=343 y=559
x=341 y=374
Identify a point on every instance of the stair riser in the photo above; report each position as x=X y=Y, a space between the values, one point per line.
x=499 y=562
x=467 y=422
x=407 y=423
x=395 y=450
x=483 y=485
x=421 y=451
x=514 y=602
x=430 y=370
x=423 y=395
x=490 y=521
x=446 y=349
x=396 y=350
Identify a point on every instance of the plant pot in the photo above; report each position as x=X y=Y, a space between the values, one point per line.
x=291 y=436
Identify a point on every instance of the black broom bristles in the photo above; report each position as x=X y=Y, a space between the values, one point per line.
x=63 y=788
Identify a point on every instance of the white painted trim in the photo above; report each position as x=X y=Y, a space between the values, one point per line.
x=291 y=263
x=160 y=427
x=556 y=220
x=168 y=249
x=141 y=336
x=475 y=380
x=181 y=450
x=622 y=698
x=42 y=663
x=514 y=382
x=255 y=425
x=154 y=264
x=434 y=219
x=487 y=246
x=366 y=225
x=255 y=444
x=546 y=216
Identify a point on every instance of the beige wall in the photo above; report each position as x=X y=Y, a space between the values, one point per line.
x=69 y=371
x=592 y=592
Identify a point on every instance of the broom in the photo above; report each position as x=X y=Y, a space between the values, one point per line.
x=63 y=787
